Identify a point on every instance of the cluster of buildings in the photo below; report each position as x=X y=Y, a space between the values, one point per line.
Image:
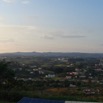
x=80 y=71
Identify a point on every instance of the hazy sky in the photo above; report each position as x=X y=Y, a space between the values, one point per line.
x=51 y=25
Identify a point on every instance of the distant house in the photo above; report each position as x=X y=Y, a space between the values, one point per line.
x=91 y=91
x=82 y=76
x=72 y=85
x=68 y=77
x=50 y=76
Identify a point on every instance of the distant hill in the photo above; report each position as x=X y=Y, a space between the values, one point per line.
x=52 y=54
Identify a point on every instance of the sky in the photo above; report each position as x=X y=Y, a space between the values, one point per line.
x=51 y=26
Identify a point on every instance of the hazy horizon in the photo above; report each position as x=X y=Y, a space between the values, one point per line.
x=50 y=52
x=51 y=26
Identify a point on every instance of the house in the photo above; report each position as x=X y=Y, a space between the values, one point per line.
x=50 y=76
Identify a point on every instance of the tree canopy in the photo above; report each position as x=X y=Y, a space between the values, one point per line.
x=6 y=73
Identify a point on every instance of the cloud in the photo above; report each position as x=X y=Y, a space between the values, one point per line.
x=25 y=33
x=48 y=37
x=7 y=41
x=25 y=1
x=12 y=1
x=8 y=1
x=72 y=36
x=19 y=33
x=61 y=34
x=26 y=27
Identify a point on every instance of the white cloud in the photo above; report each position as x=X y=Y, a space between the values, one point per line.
x=63 y=35
x=7 y=40
x=8 y=1
x=30 y=38
x=18 y=32
x=25 y=1
x=19 y=37
x=12 y=1
x=28 y=31
x=48 y=37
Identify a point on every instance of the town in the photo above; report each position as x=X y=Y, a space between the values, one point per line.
x=58 y=76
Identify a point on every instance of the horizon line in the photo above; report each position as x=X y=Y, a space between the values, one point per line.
x=50 y=52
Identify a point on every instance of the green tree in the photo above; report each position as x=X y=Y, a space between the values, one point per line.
x=6 y=74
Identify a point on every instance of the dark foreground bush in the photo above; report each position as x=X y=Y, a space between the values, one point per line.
x=14 y=96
